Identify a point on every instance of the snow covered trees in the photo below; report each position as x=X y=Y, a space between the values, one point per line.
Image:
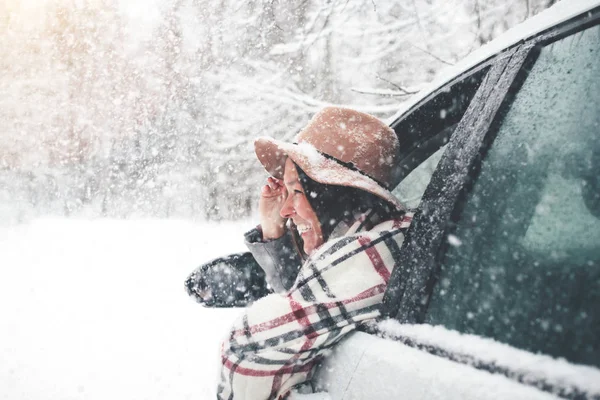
x=120 y=108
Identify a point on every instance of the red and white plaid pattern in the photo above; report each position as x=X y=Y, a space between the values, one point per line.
x=278 y=340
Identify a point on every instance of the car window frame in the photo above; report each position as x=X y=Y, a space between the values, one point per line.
x=408 y=284
x=423 y=130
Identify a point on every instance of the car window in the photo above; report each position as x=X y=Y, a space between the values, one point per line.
x=523 y=263
x=411 y=189
x=424 y=132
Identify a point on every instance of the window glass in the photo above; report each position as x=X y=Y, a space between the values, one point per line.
x=411 y=189
x=523 y=265
x=424 y=132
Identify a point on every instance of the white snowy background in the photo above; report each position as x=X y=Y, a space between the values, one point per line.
x=125 y=153
x=122 y=108
x=97 y=309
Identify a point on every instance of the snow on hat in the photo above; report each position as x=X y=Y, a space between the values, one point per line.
x=339 y=146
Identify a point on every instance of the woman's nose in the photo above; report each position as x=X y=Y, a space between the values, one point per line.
x=287 y=210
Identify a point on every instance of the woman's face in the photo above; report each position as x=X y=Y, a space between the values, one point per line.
x=297 y=207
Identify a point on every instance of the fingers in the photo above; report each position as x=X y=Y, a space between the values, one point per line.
x=274 y=187
x=197 y=288
x=205 y=295
x=274 y=183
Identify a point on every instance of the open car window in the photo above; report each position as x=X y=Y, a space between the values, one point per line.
x=411 y=189
x=425 y=132
x=523 y=263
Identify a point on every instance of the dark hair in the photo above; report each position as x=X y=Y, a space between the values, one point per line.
x=333 y=204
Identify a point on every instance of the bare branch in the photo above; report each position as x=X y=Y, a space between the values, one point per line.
x=318 y=35
x=417 y=16
x=432 y=55
x=382 y=92
x=400 y=88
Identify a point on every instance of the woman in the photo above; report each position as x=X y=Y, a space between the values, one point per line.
x=329 y=237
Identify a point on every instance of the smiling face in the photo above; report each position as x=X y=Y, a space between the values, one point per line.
x=297 y=207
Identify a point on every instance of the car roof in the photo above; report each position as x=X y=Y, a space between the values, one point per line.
x=560 y=12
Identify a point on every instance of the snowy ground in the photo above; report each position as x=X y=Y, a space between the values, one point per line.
x=97 y=310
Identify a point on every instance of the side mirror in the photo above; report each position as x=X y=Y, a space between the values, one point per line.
x=232 y=281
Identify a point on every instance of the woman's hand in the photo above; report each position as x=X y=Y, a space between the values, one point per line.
x=272 y=197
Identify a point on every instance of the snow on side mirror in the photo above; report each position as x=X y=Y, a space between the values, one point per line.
x=232 y=281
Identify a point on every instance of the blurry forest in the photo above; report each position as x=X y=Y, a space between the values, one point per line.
x=130 y=108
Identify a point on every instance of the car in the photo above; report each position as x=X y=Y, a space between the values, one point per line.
x=498 y=292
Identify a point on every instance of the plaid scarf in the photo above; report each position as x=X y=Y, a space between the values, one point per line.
x=278 y=340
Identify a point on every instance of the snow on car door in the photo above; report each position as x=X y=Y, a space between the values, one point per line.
x=366 y=366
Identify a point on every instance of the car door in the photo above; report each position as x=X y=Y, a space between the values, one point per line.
x=502 y=263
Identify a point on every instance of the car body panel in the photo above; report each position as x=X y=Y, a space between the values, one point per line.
x=365 y=366
x=554 y=375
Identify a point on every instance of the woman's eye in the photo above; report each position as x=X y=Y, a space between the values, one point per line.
x=298 y=191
